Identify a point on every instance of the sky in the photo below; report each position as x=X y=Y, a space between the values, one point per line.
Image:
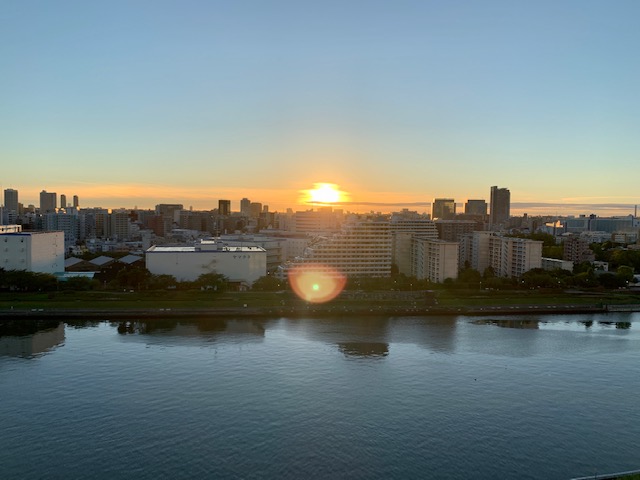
x=134 y=103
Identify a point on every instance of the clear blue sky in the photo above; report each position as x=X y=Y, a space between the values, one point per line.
x=140 y=102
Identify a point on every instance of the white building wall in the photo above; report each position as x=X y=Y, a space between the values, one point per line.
x=238 y=264
x=34 y=251
x=47 y=252
x=294 y=247
x=554 y=264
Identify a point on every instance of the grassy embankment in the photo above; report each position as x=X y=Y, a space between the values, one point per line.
x=109 y=300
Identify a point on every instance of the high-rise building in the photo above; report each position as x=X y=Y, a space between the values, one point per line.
x=508 y=256
x=405 y=226
x=224 y=207
x=48 y=201
x=361 y=249
x=255 y=208
x=434 y=260
x=511 y=257
x=11 y=200
x=443 y=208
x=577 y=249
x=245 y=207
x=500 y=207
x=453 y=230
x=76 y=201
x=63 y=200
x=475 y=207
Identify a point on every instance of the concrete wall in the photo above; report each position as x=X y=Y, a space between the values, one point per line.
x=35 y=252
x=245 y=265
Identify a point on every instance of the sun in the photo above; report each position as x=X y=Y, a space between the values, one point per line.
x=324 y=193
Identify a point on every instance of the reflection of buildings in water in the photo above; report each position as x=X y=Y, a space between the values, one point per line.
x=435 y=333
x=530 y=324
x=359 y=336
x=340 y=329
x=203 y=328
x=619 y=325
x=364 y=349
x=30 y=338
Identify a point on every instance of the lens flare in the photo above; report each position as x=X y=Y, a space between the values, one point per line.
x=316 y=283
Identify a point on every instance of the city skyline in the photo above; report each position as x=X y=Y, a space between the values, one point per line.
x=137 y=104
x=234 y=205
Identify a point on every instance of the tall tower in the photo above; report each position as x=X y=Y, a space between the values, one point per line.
x=245 y=206
x=63 y=200
x=47 y=201
x=475 y=207
x=500 y=207
x=11 y=200
x=443 y=208
x=76 y=201
x=224 y=207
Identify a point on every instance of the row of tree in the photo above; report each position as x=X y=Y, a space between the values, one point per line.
x=140 y=279
x=134 y=278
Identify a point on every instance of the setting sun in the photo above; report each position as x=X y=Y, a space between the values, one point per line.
x=324 y=193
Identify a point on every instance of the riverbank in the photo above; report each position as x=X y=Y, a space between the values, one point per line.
x=132 y=305
x=308 y=311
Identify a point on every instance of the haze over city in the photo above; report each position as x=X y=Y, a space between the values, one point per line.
x=137 y=104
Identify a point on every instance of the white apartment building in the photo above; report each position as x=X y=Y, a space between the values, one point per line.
x=474 y=250
x=187 y=263
x=511 y=257
x=361 y=249
x=404 y=227
x=41 y=252
x=435 y=260
x=508 y=256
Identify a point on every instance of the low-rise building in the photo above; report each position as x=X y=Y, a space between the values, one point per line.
x=556 y=264
x=32 y=251
x=187 y=263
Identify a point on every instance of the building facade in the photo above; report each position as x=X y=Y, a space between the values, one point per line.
x=435 y=260
x=41 y=252
x=443 y=208
x=361 y=249
x=511 y=257
x=476 y=207
x=224 y=207
x=11 y=200
x=500 y=207
x=48 y=201
x=238 y=264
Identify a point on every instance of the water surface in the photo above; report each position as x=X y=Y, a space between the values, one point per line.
x=549 y=397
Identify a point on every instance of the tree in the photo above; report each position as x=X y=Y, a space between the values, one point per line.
x=78 y=284
x=268 y=283
x=555 y=251
x=469 y=276
x=211 y=281
x=488 y=273
x=134 y=278
x=162 y=282
x=625 y=274
x=22 y=280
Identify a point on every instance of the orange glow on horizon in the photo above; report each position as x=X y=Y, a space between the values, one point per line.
x=324 y=194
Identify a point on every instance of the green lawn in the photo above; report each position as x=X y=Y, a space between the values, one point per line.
x=375 y=300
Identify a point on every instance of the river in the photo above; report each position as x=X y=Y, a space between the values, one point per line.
x=547 y=397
